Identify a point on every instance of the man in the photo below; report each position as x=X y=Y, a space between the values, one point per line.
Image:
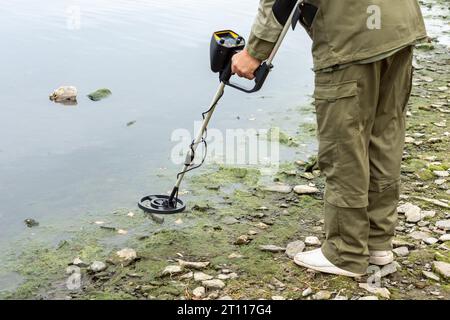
x=362 y=52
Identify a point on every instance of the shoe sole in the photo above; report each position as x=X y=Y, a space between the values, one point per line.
x=329 y=270
x=381 y=261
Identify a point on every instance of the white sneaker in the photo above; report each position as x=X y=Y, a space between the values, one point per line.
x=381 y=258
x=315 y=260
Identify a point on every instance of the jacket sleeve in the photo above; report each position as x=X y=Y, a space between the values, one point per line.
x=265 y=31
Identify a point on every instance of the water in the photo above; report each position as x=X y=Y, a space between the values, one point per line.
x=58 y=163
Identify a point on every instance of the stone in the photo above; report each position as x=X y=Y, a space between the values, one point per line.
x=322 y=295
x=193 y=265
x=279 y=188
x=307 y=292
x=430 y=275
x=382 y=292
x=402 y=243
x=411 y=212
x=369 y=298
x=430 y=240
x=99 y=94
x=388 y=269
x=262 y=225
x=401 y=251
x=304 y=189
x=443 y=224
x=341 y=298
x=278 y=298
x=441 y=174
x=419 y=235
x=439 y=181
x=199 y=292
x=442 y=268
x=294 y=247
x=235 y=255
x=200 y=276
x=172 y=270
x=188 y=275
x=97 y=266
x=30 y=223
x=312 y=241
x=428 y=214
x=65 y=94
x=214 y=284
x=79 y=263
x=72 y=269
x=271 y=248
x=231 y=275
x=445 y=237
x=230 y=220
x=241 y=240
x=127 y=255
x=225 y=298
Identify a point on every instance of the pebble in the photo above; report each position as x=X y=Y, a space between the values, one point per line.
x=389 y=269
x=401 y=251
x=279 y=188
x=193 y=265
x=294 y=247
x=307 y=292
x=64 y=94
x=441 y=174
x=442 y=268
x=272 y=248
x=30 y=223
x=278 y=298
x=304 y=189
x=342 y=298
x=445 y=237
x=232 y=275
x=430 y=275
x=199 y=292
x=242 y=240
x=322 y=295
x=443 y=224
x=127 y=254
x=200 y=276
x=230 y=221
x=79 y=263
x=430 y=240
x=225 y=298
x=262 y=225
x=312 y=241
x=214 y=284
x=383 y=292
x=369 y=298
x=171 y=270
x=419 y=235
x=97 y=266
x=188 y=275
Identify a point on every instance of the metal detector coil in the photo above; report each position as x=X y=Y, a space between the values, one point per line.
x=224 y=45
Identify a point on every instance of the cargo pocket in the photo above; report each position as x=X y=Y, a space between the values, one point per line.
x=337 y=110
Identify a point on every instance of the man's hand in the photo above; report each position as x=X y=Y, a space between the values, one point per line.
x=244 y=65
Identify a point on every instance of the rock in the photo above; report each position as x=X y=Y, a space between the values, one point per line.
x=235 y=255
x=97 y=266
x=445 y=237
x=341 y=298
x=225 y=298
x=199 y=292
x=65 y=94
x=99 y=94
x=322 y=295
x=369 y=298
x=441 y=174
x=79 y=263
x=407 y=207
x=312 y=241
x=383 y=292
x=307 y=175
x=409 y=140
x=232 y=275
x=214 y=284
x=439 y=181
x=241 y=240
x=30 y=223
x=307 y=292
x=304 y=189
x=412 y=212
x=230 y=220
x=294 y=247
x=193 y=265
x=126 y=256
x=388 y=269
x=402 y=243
x=401 y=251
x=430 y=275
x=279 y=188
x=428 y=214
x=442 y=268
x=72 y=269
x=430 y=240
x=172 y=270
x=443 y=224
x=278 y=298
x=262 y=225
x=252 y=232
x=188 y=275
x=200 y=276
x=419 y=235
x=271 y=248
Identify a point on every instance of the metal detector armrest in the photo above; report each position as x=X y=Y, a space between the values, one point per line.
x=260 y=77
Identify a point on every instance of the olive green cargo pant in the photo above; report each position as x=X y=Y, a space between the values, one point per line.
x=361 y=129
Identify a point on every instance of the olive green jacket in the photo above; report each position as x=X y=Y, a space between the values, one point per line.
x=345 y=31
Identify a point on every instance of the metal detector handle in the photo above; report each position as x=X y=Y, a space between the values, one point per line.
x=260 y=77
